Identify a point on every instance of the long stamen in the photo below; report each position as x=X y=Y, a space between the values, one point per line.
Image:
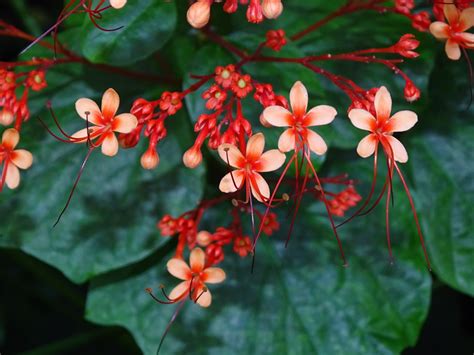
x=471 y=76
x=387 y=225
x=4 y=175
x=172 y=319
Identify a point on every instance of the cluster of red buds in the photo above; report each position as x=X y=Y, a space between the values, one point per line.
x=14 y=105
x=343 y=201
x=199 y=12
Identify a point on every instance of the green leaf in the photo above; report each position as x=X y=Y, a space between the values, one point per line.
x=142 y=27
x=444 y=177
x=298 y=300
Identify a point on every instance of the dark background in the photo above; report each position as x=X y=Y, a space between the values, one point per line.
x=41 y=312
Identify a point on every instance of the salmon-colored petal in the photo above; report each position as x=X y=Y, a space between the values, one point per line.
x=204 y=297
x=286 y=142
x=367 y=146
x=10 y=138
x=231 y=155
x=270 y=161
x=468 y=38
x=180 y=291
x=13 y=176
x=81 y=135
x=110 y=145
x=197 y=260
x=260 y=188
x=110 y=104
x=452 y=13
x=362 y=119
x=320 y=115
x=255 y=146
x=278 y=116
x=22 y=158
x=88 y=109
x=299 y=99
x=439 y=29
x=213 y=275
x=466 y=19
x=179 y=269
x=315 y=142
x=383 y=104
x=401 y=121
x=452 y=50
x=232 y=182
x=399 y=152
x=124 y=123
x=118 y=4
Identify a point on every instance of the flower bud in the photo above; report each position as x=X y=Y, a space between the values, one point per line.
x=118 y=4
x=411 y=92
x=199 y=13
x=150 y=159
x=192 y=157
x=6 y=117
x=272 y=8
x=204 y=238
x=254 y=12
x=406 y=45
x=230 y=6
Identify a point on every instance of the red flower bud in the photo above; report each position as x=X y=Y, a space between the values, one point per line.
x=150 y=159
x=411 y=92
x=254 y=12
x=406 y=45
x=192 y=157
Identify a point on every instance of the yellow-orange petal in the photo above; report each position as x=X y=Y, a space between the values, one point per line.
x=110 y=145
x=10 y=138
x=466 y=19
x=452 y=50
x=439 y=30
x=362 y=119
x=197 y=260
x=383 y=104
x=255 y=146
x=277 y=116
x=259 y=187
x=179 y=269
x=287 y=139
x=13 y=176
x=110 y=104
x=401 y=121
x=232 y=181
x=205 y=297
x=315 y=142
x=299 y=98
x=180 y=291
x=231 y=155
x=124 y=123
x=452 y=13
x=88 y=110
x=367 y=146
x=213 y=275
x=320 y=115
x=399 y=152
x=22 y=158
x=118 y=4
x=270 y=161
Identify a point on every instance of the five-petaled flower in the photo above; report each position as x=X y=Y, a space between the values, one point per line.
x=454 y=32
x=195 y=276
x=298 y=136
x=12 y=159
x=249 y=165
x=105 y=122
x=382 y=127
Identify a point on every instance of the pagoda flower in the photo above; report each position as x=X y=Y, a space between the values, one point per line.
x=195 y=276
x=118 y=4
x=454 y=32
x=381 y=128
x=104 y=122
x=12 y=159
x=249 y=165
x=299 y=138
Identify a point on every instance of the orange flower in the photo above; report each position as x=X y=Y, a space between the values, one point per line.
x=454 y=32
x=382 y=127
x=195 y=276
x=249 y=166
x=13 y=159
x=298 y=135
x=105 y=120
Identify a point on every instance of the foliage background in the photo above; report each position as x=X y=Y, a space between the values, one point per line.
x=77 y=288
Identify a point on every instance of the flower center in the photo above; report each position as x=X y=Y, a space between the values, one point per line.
x=225 y=74
x=241 y=83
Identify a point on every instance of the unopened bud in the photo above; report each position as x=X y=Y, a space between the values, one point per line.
x=118 y=4
x=192 y=157
x=411 y=92
x=6 y=117
x=199 y=13
x=150 y=159
x=272 y=8
x=204 y=238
